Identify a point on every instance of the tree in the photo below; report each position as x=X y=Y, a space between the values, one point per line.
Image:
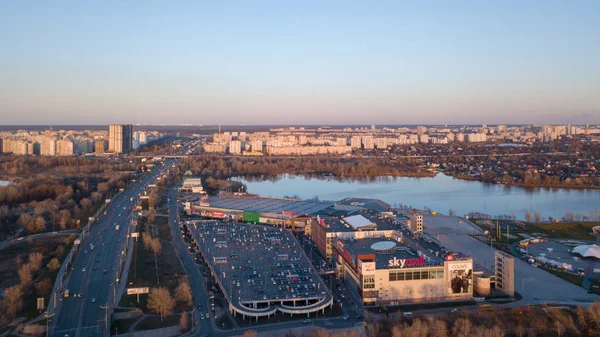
x=60 y=251
x=13 y=298
x=35 y=260
x=54 y=264
x=153 y=199
x=65 y=216
x=25 y=274
x=537 y=216
x=183 y=322
x=24 y=219
x=44 y=286
x=161 y=302
x=183 y=293
x=155 y=246
x=438 y=328
x=462 y=327
x=527 y=216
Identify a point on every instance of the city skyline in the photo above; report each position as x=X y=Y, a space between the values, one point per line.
x=338 y=63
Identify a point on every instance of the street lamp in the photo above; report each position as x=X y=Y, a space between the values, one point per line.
x=47 y=320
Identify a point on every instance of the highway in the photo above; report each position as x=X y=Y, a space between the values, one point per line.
x=95 y=271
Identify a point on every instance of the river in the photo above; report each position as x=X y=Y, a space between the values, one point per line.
x=440 y=193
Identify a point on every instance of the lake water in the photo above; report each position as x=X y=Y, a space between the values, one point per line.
x=439 y=193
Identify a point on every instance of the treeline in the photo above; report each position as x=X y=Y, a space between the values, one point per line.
x=64 y=191
x=519 y=322
x=220 y=168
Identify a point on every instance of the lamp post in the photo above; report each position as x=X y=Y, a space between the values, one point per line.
x=47 y=325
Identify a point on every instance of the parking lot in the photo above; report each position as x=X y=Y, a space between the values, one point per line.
x=557 y=251
x=259 y=265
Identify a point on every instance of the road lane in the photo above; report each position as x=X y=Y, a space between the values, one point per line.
x=80 y=316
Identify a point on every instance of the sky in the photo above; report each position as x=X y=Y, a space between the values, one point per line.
x=299 y=62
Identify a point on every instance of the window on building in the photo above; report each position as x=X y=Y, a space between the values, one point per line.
x=408 y=275
x=424 y=274
x=416 y=275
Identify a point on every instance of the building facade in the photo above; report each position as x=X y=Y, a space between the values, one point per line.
x=120 y=138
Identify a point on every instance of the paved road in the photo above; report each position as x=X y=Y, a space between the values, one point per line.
x=68 y=232
x=94 y=272
x=198 y=281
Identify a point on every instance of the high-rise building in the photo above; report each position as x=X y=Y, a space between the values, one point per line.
x=505 y=273
x=120 y=138
x=101 y=145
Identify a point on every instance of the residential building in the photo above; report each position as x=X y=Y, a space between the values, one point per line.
x=120 y=138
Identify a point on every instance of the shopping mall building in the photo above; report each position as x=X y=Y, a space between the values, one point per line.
x=388 y=271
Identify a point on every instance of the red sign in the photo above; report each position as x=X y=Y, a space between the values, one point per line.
x=218 y=215
x=449 y=257
x=290 y=213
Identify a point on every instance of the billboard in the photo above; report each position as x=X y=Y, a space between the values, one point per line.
x=459 y=278
x=137 y=291
x=366 y=268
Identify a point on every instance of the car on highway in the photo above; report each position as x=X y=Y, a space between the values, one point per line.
x=93 y=300
x=83 y=270
x=454 y=310
x=307 y=321
x=202 y=316
x=346 y=316
x=199 y=306
x=105 y=271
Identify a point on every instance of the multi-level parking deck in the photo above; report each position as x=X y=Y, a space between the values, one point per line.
x=261 y=270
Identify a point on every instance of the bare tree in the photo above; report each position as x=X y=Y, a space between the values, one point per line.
x=537 y=216
x=13 y=298
x=35 y=260
x=25 y=274
x=462 y=327
x=581 y=318
x=44 y=286
x=65 y=216
x=161 y=302
x=569 y=216
x=183 y=322
x=594 y=311
x=60 y=251
x=560 y=328
x=54 y=264
x=438 y=328
x=527 y=216
x=183 y=292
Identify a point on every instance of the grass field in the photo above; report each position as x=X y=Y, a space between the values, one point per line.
x=566 y=230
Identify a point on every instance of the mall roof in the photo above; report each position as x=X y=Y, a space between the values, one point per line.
x=358 y=221
x=267 y=205
x=365 y=203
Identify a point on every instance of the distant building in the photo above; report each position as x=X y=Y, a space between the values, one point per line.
x=193 y=185
x=416 y=223
x=235 y=147
x=48 y=147
x=64 y=147
x=120 y=138
x=505 y=273
x=101 y=146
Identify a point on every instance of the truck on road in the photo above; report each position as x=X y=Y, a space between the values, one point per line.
x=116 y=227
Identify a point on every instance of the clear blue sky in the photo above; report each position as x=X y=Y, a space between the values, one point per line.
x=314 y=62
